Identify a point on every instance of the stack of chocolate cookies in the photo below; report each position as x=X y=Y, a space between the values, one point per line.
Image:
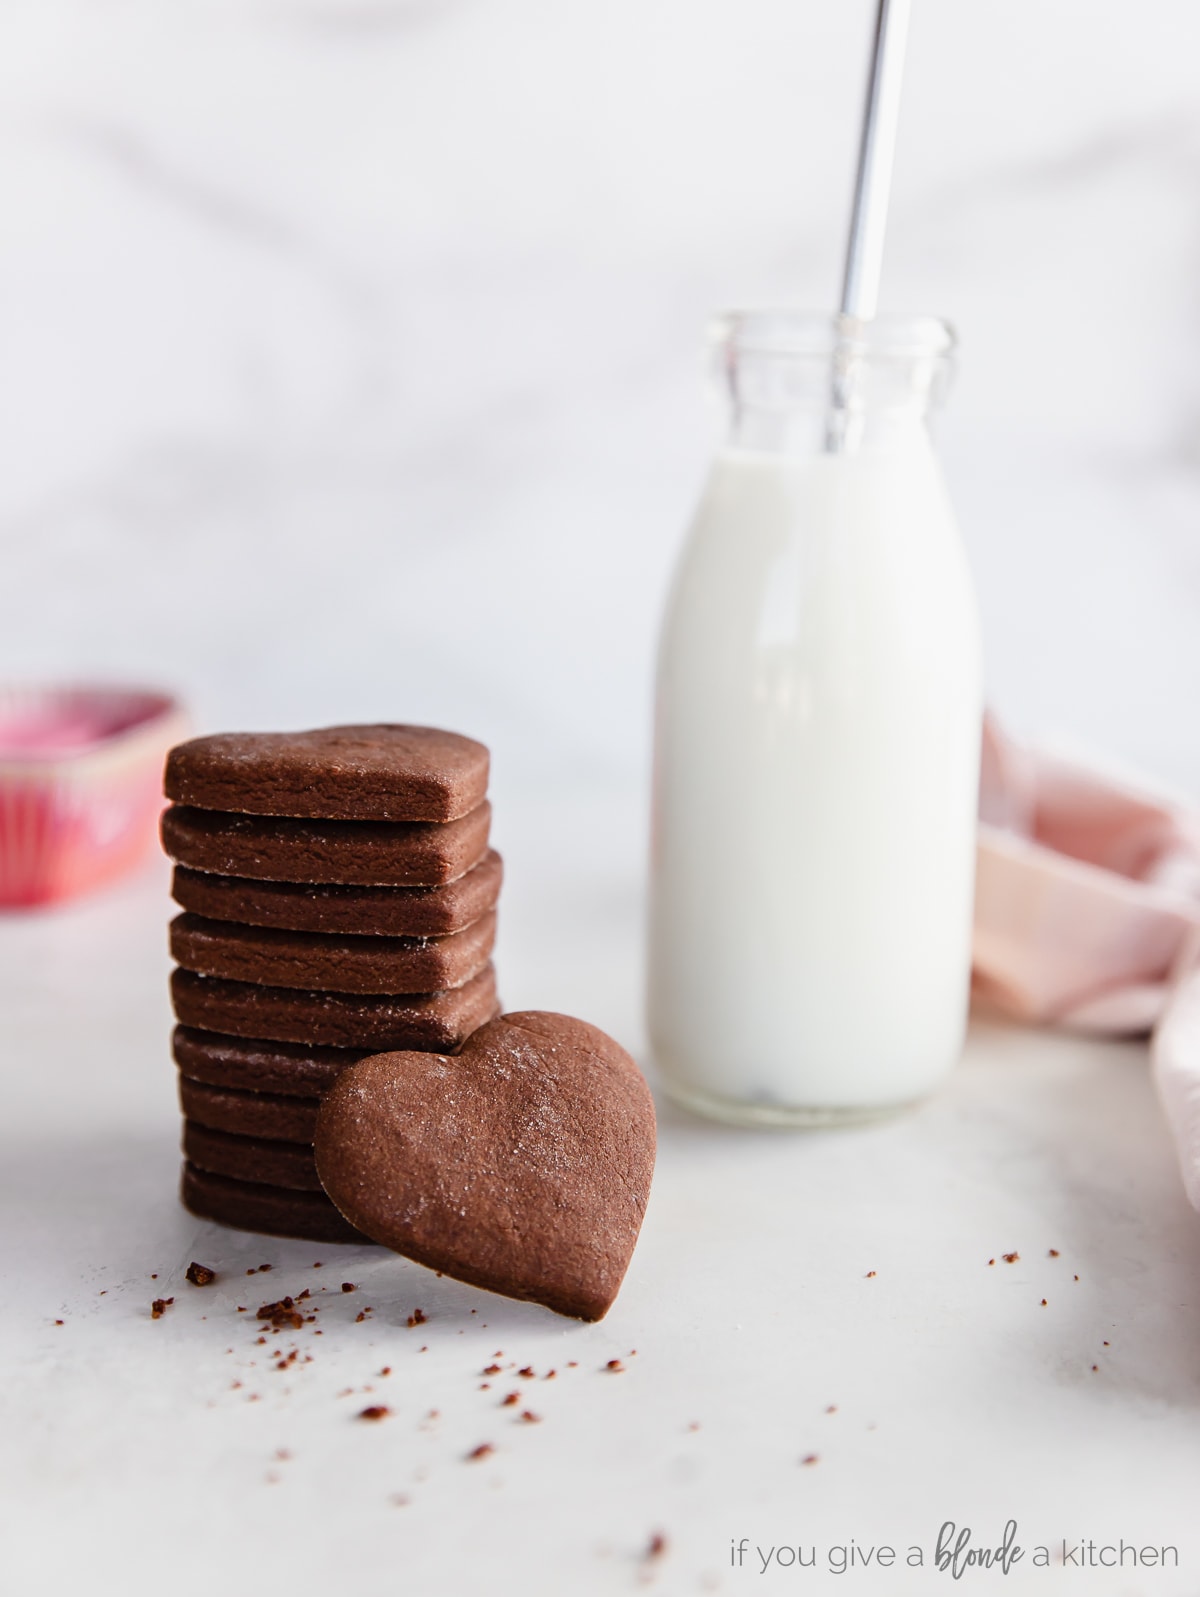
x=339 y=900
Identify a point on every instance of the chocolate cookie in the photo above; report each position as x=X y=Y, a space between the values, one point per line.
x=344 y=911
x=360 y=853
x=246 y=1065
x=522 y=1165
x=348 y=773
x=248 y=1114
x=268 y=1164
x=275 y=1211
x=339 y=1020
x=334 y=964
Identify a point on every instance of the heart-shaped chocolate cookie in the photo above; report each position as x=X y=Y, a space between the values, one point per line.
x=521 y=1164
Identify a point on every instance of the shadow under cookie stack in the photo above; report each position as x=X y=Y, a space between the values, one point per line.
x=339 y=900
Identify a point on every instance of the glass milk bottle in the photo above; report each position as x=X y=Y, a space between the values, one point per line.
x=817 y=737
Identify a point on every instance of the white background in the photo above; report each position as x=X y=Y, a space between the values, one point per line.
x=350 y=369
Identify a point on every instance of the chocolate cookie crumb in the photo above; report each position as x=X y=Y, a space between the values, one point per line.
x=484 y=1450
x=528 y=1417
x=491 y=1369
x=1054 y=1253
x=417 y=1317
x=656 y=1546
x=349 y=1286
x=376 y=1411
x=526 y=1373
x=809 y=1458
x=159 y=1307
x=871 y=1274
x=281 y=1314
x=200 y=1274
x=1010 y=1258
x=615 y=1366
x=511 y=1400
x=1043 y=1303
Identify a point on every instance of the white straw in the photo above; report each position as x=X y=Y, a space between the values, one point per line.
x=868 y=219
x=864 y=249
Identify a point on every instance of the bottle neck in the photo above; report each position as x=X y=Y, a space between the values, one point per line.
x=802 y=385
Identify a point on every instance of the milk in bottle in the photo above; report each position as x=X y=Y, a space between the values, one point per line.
x=817 y=740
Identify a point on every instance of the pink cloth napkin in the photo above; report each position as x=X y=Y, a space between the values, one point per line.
x=1087 y=915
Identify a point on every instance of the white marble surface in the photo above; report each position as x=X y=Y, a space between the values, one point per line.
x=350 y=369
x=140 y=1455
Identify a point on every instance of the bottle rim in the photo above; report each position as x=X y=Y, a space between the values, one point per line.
x=819 y=336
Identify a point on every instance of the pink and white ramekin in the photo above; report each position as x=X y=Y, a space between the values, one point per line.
x=80 y=785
